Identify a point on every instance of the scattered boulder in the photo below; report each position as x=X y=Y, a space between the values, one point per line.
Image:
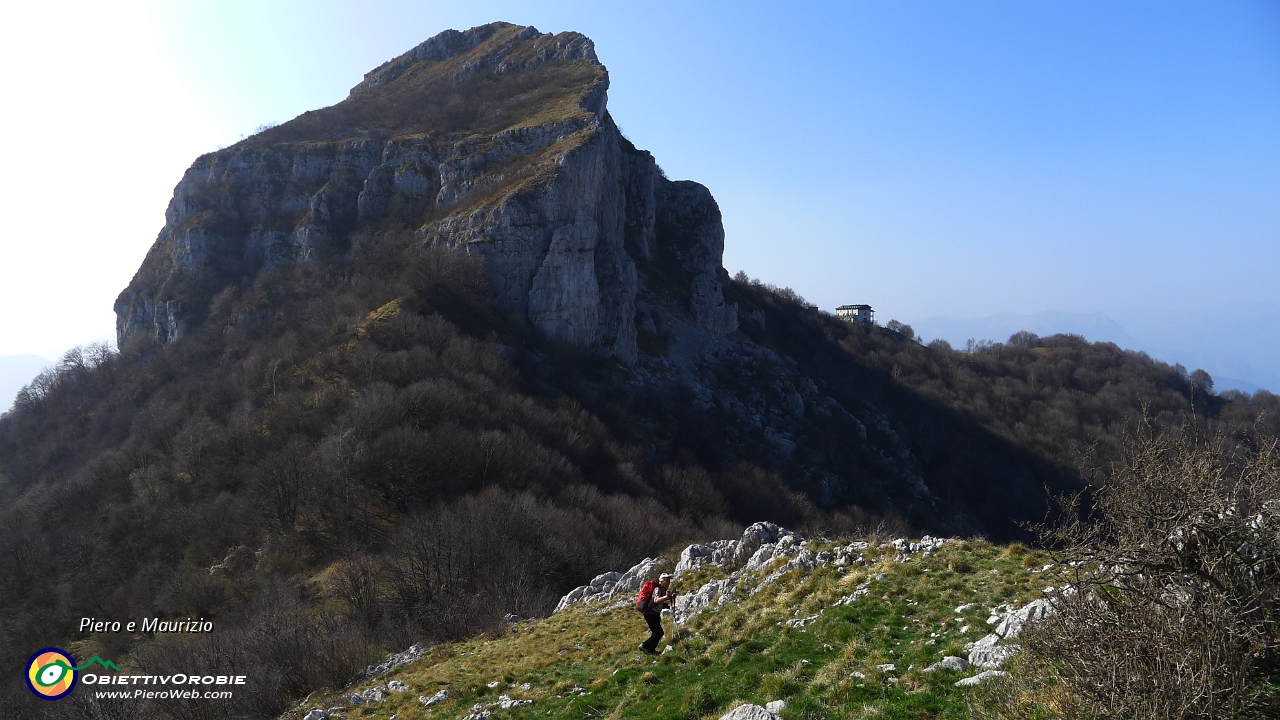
x=611 y=585
x=803 y=560
x=990 y=658
x=761 y=545
x=858 y=592
x=392 y=662
x=435 y=699
x=982 y=643
x=801 y=622
x=506 y=703
x=717 y=591
x=950 y=662
x=396 y=686
x=1012 y=624
x=718 y=553
x=980 y=678
x=316 y=714
x=998 y=612
x=749 y=712
x=987 y=652
x=776 y=706
x=756 y=536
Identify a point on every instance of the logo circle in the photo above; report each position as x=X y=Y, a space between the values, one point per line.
x=51 y=673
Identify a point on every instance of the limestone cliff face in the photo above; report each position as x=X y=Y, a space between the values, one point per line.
x=495 y=141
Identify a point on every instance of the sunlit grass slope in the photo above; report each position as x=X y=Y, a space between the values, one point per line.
x=584 y=662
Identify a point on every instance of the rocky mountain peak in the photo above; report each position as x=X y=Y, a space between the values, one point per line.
x=495 y=141
x=527 y=46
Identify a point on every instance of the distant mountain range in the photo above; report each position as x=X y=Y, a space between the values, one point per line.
x=15 y=372
x=1228 y=373
x=1093 y=326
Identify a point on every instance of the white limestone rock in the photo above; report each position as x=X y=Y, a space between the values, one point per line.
x=950 y=662
x=986 y=641
x=714 y=591
x=718 y=553
x=393 y=661
x=749 y=712
x=1011 y=625
x=436 y=699
x=990 y=658
x=611 y=585
x=506 y=703
x=980 y=678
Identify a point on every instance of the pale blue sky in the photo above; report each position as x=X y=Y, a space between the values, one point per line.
x=928 y=158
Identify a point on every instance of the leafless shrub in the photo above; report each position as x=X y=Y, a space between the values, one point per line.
x=357 y=585
x=1176 y=612
x=286 y=649
x=281 y=483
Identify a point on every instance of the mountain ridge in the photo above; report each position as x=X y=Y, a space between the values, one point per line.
x=998 y=327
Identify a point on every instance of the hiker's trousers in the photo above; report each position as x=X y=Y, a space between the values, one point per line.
x=655 y=630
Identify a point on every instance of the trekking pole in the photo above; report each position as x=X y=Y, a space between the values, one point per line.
x=675 y=626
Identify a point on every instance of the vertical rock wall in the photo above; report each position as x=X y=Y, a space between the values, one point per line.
x=561 y=211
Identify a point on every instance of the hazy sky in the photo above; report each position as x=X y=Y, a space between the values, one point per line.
x=926 y=158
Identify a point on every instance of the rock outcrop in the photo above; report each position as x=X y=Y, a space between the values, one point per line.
x=496 y=141
x=997 y=647
x=762 y=546
x=766 y=547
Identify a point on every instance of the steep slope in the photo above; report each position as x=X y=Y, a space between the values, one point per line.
x=830 y=628
x=496 y=142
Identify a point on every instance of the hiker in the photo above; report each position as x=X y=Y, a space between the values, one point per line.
x=654 y=596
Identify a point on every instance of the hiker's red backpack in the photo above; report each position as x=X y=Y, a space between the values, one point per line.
x=644 y=601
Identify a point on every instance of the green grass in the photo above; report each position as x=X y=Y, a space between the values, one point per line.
x=743 y=652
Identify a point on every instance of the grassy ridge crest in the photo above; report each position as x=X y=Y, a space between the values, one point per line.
x=583 y=662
